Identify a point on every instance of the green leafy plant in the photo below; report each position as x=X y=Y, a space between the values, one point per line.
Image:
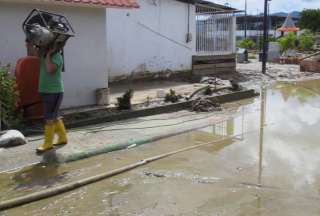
x=247 y=43
x=306 y=40
x=172 y=97
x=259 y=43
x=310 y=19
x=272 y=38
x=11 y=116
x=288 y=42
x=124 y=102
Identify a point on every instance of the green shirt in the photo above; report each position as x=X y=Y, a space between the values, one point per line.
x=51 y=82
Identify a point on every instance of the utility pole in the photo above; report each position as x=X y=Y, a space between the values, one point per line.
x=265 y=37
x=245 y=20
x=269 y=20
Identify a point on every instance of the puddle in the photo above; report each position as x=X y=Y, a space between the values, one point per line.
x=268 y=164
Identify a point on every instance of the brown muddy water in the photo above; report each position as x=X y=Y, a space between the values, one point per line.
x=271 y=167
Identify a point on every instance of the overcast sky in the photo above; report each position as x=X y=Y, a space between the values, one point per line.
x=275 y=5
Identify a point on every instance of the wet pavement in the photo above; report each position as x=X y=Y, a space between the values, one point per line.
x=267 y=164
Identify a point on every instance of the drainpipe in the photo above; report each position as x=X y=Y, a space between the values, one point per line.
x=188 y=18
x=189 y=36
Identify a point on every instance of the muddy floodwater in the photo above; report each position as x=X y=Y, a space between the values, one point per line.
x=267 y=164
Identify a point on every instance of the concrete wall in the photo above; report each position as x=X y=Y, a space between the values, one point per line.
x=150 y=39
x=85 y=55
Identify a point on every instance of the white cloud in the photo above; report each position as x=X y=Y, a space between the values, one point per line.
x=275 y=5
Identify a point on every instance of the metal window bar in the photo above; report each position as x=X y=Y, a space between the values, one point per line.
x=214 y=33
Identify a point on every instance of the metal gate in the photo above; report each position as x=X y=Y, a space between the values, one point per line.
x=215 y=33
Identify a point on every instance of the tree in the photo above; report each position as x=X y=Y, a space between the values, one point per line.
x=306 y=40
x=288 y=42
x=310 y=19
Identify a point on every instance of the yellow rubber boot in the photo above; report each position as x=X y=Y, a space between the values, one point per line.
x=48 y=137
x=61 y=131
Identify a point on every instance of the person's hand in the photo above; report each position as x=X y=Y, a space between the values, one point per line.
x=50 y=52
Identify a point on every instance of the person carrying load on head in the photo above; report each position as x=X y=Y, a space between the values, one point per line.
x=51 y=90
x=49 y=33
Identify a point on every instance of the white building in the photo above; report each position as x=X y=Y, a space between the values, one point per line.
x=85 y=55
x=164 y=35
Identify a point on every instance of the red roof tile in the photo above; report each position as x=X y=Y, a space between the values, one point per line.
x=103 y=3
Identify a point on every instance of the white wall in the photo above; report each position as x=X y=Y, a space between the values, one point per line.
x=152 y=38
x=85 y=54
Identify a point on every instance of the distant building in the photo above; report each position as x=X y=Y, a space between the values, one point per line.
x=255 y=25
x=288 y=26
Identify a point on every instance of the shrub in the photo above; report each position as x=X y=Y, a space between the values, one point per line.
x=272 y=38
x=172 y=97
x=11 y=116
x=306 y=40
x=288 y=42
x=247 y=43
x=124 y=102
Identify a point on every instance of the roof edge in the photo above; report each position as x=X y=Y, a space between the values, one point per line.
x=69 y=4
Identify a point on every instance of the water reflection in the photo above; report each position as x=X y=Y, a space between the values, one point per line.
x=39 y=176
x=263 y=101
x=289 y=141
x=285 y=144
x=303 y=91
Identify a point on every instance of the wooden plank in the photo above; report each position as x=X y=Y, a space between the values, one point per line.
x=203 y=66
x=216 y=61
x=213 y=66
x=224 y=65
x=212 y=57
x=214 y=71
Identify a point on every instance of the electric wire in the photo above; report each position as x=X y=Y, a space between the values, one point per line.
x=104 y=129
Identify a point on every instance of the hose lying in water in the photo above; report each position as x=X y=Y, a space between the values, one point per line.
x=77 y=184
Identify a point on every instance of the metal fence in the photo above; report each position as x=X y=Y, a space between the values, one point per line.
x=215 y=33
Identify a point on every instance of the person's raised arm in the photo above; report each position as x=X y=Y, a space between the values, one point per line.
x=51 y=67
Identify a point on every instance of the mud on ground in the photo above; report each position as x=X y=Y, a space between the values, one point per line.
x=250 y=75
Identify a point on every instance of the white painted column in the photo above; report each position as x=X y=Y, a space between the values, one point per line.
x=233 y=33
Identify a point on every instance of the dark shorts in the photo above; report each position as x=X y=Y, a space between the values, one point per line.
x=52 y=103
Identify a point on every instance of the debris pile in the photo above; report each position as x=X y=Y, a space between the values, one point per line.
x=216 y=82
x=205 y=105
x=235 y=85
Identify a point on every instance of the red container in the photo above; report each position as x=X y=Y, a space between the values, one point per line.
x=27 y=76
